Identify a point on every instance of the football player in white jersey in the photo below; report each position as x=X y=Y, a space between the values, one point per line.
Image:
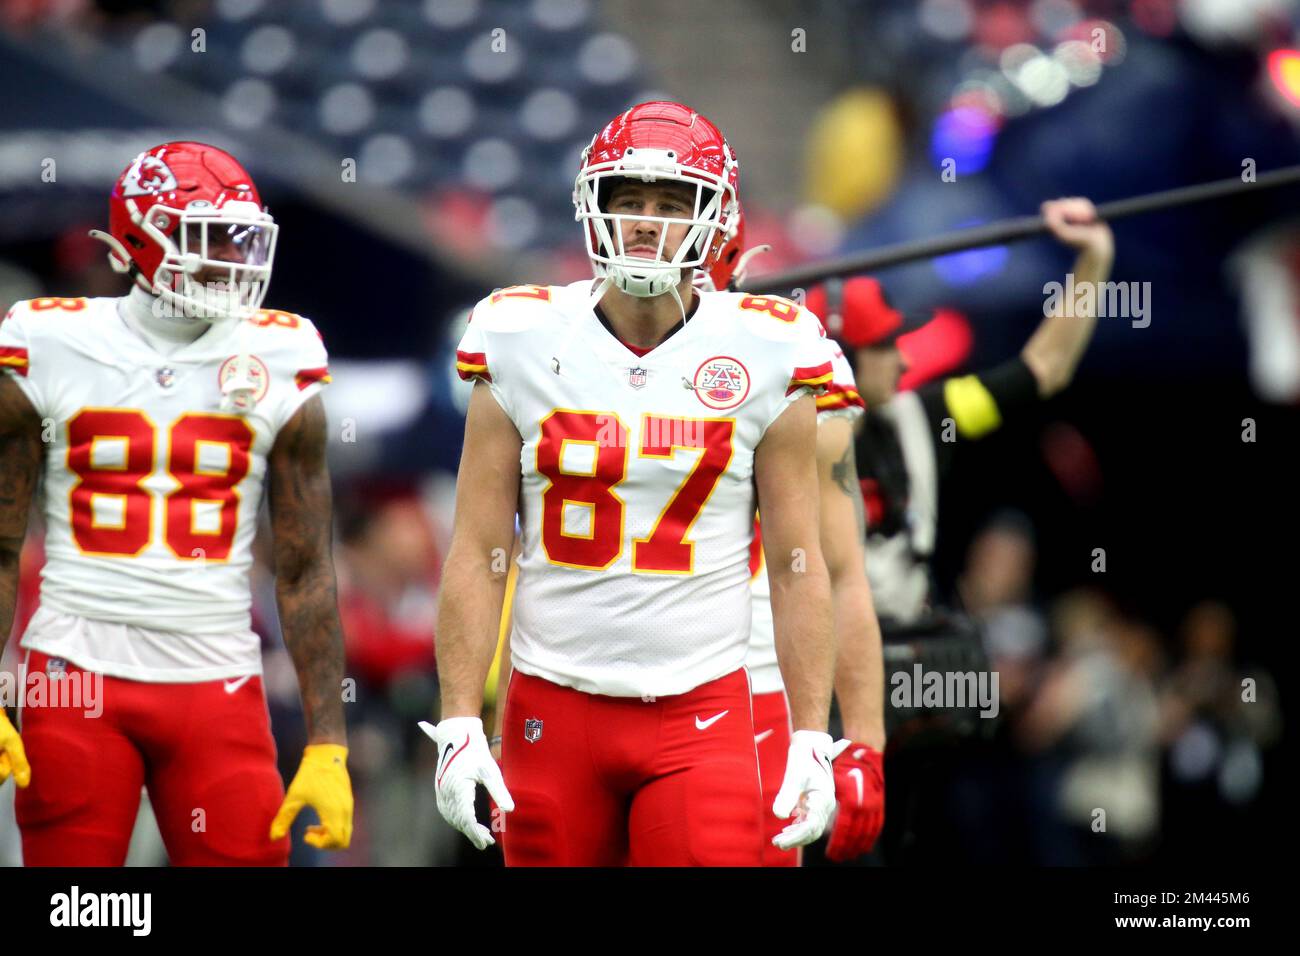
x=635 y=425
x=859 y=667
x=157 y=421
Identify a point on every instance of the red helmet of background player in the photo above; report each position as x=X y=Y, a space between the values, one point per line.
x=730 y=266
x=187 y=223
x=654 y=142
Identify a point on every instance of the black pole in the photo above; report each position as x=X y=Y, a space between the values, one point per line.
x=1007 y=230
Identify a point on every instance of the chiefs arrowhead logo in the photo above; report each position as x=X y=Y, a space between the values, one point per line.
x=149 y=176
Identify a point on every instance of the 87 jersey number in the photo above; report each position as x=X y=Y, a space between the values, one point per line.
x=668 y=548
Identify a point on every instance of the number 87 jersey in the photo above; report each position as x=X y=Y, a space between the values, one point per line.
x=637 y=478
x=151 y=491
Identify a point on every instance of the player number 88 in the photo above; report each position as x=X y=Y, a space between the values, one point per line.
x=131 y=531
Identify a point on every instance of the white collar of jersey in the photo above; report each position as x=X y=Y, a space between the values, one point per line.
x=165 y=333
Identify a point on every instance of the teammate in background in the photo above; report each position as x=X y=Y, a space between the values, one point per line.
x=859 y=668
x=172 y=409
x=633 y=424
x=901 y=452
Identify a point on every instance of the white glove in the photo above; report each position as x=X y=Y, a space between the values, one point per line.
x=464 y=761
x=809 y=785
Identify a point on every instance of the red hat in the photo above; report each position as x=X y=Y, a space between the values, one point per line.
x=856 y=312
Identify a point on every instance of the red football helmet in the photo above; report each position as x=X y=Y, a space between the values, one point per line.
x=732 y=261
x=188 y=225
x=651 y=142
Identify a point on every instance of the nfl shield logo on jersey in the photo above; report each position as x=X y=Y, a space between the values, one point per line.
x=636 y=377
x=532 y=730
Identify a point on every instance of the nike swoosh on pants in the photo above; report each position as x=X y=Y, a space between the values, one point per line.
x=231 y=686
x=706 y=724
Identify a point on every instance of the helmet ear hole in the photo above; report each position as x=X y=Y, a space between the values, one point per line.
x=135 y=241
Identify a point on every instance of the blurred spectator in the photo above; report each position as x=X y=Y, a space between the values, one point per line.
x=1096 y=715
x=1218 y=728
x=388 y=575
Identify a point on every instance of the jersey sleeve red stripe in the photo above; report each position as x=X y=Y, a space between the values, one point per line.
x=816 y=377
x=470 y=365
x=14 y=359
x=310 y=376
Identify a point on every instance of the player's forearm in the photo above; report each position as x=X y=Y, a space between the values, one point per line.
x=469 y=614
x=9 y=555
x=1055 y=349
x=859 y=663
x=309 y=621
x=805 y=642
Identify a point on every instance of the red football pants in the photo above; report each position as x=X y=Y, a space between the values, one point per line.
x=206 y=757
x=614 y=781
x=772 y=736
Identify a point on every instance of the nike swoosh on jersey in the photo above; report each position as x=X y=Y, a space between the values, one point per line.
x=231 y=686
x=706 y=724
x=759 y=738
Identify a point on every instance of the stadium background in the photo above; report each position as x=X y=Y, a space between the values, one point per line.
x=419 y=154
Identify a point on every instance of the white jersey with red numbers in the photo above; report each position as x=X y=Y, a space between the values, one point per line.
x=151 y=491
x=637 y=491
x=840 y=400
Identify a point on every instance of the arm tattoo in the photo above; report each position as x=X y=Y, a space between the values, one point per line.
x=301 y=512
x=845 y=475
x=20 y=467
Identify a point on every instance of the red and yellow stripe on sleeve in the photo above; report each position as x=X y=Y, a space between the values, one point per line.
x=14 y=359
x=470 y=365
x=839 y=396
x=816 y=377
x=310 y=376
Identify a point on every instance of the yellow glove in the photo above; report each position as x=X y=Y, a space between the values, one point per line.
x=321 y=783
x=13 y=760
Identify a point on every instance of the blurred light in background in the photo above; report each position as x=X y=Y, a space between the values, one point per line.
x=450 y=14
x=346 y=12
x=446 y=112
x=1284 y=70
x=560 y=14
x=268 y=49
x=248 y=103
x=380 y=53
x=157 y=46
x=386 y=159
x=513 y=223
x=491 y=164
x=964 y=134
x=964 y=268
x=346 y=108
x=488 y=62
x=1050 y=17
x=236 y=10
x=549 y=114
x=855 y=153
x=949 y=20
x=607 y=58
x=1081 y=65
